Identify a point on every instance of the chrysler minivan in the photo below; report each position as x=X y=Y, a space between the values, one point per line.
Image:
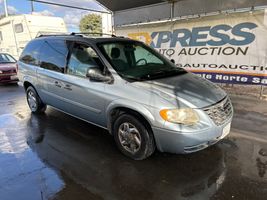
x=144 y=100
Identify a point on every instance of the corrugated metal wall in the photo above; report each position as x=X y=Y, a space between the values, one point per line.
x=143 y=14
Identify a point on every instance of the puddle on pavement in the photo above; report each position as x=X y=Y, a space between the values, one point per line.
x=23 y=174
x=42 y=158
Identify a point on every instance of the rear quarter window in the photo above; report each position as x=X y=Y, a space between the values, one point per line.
x=54 y=55
x=31 y=53
x=18 y=28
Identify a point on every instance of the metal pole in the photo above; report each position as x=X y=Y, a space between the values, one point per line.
x=5 y=6
x=32 y=6
x=172 y=10
x=69 y=6
x=113 y=23
x=261 y=92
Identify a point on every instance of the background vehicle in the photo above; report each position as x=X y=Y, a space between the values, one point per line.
x=8 y=69
x=16 y=31
x=128 y=88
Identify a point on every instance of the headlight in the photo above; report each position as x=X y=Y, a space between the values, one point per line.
x=185 y=116
x=1 y=72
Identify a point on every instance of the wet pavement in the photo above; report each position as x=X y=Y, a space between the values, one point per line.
x=55 y=156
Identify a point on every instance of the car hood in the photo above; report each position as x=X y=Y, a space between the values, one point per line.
x=7 y=66
x=188 y=88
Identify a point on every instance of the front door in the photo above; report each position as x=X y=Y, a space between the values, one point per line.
x=84 y=97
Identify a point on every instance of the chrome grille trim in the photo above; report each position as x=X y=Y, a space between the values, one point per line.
x=13 y=74
x=220 y=112
x=11 y=71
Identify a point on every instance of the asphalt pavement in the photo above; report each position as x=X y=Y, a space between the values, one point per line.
x=55 y=156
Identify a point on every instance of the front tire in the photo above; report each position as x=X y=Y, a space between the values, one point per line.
x=34 y=101
x=133 y=138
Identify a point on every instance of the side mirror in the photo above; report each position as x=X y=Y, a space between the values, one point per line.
x=173 y=61
x=95 y=74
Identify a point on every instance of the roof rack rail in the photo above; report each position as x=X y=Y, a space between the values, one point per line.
x=93 y=33
x=51 y=35
x=73 y=34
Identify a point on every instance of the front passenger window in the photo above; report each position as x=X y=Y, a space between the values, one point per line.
x=82 y=58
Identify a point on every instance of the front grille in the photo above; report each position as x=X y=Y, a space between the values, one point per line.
x=220 y=112
x=8 y=72
x=5 y=72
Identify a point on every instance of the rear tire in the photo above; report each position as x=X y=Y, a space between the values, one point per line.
x=133 y=138
x=35 y=103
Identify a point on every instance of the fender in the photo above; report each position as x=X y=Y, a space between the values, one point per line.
x=27 y=73
x=28 y=79
x=125 y=103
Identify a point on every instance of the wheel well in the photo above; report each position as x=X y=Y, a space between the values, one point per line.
x=116 y=112
x=27 y=84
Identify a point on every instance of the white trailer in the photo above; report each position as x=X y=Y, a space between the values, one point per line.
x=16 y=31
x=107 y=27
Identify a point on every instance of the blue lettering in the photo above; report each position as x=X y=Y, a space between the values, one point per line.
x=164 y=37
x=224 y=38
x=186 y=34
x=199 y=36
x=196 y=35
x=238 y=31
x=153 y=35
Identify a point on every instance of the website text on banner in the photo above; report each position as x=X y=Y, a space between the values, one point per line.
x=225 y=48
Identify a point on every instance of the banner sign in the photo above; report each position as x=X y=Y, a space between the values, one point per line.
x=224 y=48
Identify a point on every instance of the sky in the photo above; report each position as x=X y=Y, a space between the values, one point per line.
x=71 y=16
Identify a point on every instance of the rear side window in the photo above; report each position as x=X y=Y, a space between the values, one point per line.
x=54 y=55
x=18 y=28
x=31 y=53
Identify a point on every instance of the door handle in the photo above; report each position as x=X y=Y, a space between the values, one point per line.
x=57 y=84
x=67 y=87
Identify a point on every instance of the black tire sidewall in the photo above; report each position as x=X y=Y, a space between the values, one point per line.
x=146 y=137
x=40 y=105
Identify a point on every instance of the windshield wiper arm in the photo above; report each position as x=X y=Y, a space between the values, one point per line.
x=133 y=78
x=163 y=73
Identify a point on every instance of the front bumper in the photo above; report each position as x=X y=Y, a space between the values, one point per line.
x=188 y=142
x=8 y=78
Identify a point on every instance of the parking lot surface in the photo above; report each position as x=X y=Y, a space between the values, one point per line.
x=55 y=156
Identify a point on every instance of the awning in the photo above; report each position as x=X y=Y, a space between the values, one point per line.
x=138 y=11
x=116 y=5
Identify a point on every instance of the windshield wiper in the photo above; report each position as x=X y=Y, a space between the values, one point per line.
x=131 y=78
x=163 y=73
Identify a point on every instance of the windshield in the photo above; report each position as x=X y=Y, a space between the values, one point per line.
x=136 y=61
x=6 y=58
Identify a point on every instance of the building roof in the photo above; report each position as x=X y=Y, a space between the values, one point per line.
x=116 y=5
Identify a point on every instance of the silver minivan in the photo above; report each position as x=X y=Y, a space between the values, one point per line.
x=126 y=87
